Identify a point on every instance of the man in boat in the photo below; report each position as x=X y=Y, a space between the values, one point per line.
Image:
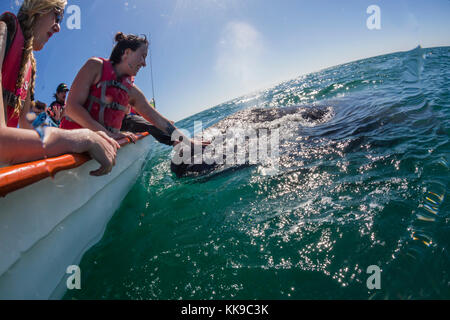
x=54 y=112
x=20 y=35
x=50 y=118
x=56 y=108
x=60 y=96
x=104 y=90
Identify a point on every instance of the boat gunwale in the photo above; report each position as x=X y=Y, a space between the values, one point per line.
x=15 y=177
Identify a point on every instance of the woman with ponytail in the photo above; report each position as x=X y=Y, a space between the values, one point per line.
x=104 y=90
x=35 y=24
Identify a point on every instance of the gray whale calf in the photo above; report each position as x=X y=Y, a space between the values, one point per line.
x=253 y=118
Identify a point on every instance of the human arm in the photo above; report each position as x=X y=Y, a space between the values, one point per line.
x=20 y=145
x=146 y=110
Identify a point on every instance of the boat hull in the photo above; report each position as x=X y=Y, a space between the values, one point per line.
x=49 y=225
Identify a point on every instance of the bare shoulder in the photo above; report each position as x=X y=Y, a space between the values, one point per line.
x=92 y=70
x=95 y=63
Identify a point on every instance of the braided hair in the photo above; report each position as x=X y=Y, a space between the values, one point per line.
x=27 y=16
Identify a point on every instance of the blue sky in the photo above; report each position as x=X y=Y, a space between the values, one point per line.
x=206 y=52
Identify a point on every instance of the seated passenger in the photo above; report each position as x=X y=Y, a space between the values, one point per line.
x=55 y=111
x=50 y=118
x=103 y=90
x=35 y=23
x=60 y=96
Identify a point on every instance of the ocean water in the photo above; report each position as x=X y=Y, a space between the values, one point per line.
x=366 y=186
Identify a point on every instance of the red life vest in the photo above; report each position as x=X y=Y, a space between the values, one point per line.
x=11 y=68
x=108 y=100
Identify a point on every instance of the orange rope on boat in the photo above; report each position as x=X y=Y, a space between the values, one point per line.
x=19 y=176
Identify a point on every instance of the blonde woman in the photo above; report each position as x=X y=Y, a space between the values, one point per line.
x=36 y=22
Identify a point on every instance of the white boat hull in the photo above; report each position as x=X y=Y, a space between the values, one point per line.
x=49 y=225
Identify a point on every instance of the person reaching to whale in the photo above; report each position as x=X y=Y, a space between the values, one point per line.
x=104 y=90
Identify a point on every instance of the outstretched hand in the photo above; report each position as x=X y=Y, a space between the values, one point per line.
x=104 y=150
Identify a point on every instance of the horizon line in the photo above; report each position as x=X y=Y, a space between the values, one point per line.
x=306 y=74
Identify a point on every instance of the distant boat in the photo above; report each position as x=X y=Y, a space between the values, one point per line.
x=47 y=224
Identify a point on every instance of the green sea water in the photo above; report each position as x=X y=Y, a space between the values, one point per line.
x=369 y=186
